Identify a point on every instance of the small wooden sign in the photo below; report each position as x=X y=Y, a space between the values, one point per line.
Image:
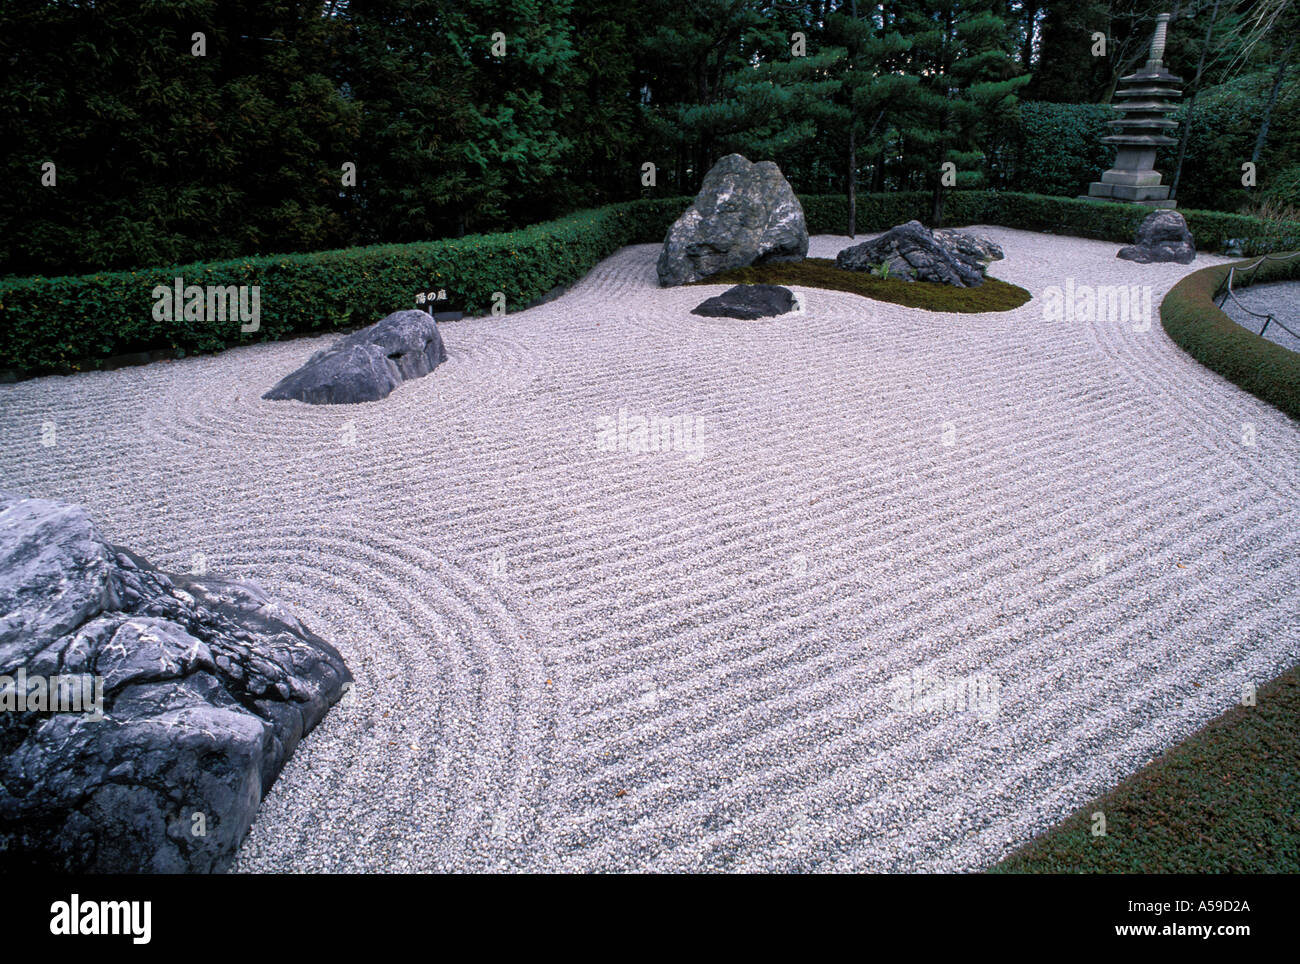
x=439 y=304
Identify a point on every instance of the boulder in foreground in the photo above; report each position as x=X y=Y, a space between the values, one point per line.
x=367 y=365
x=1162 y=236
x=745 y=214
x=912 y=252
x=146 y=714
x=748 y=302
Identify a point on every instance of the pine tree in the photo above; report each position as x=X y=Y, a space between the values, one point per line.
x=873 y=91
x=963 y=53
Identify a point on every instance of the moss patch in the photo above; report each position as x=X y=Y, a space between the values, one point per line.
x=1226 y=800
x=992 y=295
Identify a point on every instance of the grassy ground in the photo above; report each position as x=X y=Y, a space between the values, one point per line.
x=1226 y=800
x=992 y=295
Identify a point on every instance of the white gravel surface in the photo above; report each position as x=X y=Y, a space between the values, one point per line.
x=1281 y=299
x=575 y=659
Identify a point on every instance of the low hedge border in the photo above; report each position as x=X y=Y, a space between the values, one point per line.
x=1192 y=319
x=1101 y=221
x=62 y=324
x=68 y=323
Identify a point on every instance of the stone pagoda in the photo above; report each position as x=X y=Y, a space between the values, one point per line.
x=1146 y=98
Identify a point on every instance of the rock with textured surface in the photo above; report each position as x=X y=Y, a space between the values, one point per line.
x=367 y=365
x=914 y=253
x=745 y=214
x=197 y=691
x=748 y=302
x=977 y=246
x=1162 y=236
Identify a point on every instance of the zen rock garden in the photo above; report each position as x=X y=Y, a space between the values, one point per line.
x=206 y=685
x=622 y=438
x=746 y=214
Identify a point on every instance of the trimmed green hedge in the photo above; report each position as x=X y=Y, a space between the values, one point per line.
x=59 y=324
x=828 y=214
x=1200 y=327
x=55 y=324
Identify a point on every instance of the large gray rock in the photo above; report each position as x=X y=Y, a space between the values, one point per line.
x=205 y=686
x=367 y=364
x=745 y=214
x=1162 y=236
x=747 y=302
x=914 y=253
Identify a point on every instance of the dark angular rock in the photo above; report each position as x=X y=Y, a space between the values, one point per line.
x=367 y=365
x=747 y=302
x=914 y=253
x=204 y=688
x=1162 y=236
x=745 y=214
x=971 y=246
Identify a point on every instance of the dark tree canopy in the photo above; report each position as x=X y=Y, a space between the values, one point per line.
x=464 y=116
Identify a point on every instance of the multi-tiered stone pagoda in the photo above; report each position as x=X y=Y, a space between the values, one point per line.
x=1146 y=99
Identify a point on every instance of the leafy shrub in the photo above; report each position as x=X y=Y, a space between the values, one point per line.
x=1058 y=147
x=1284 y=190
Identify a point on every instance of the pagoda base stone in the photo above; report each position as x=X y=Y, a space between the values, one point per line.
x=1131 y=178
x=1154 y=203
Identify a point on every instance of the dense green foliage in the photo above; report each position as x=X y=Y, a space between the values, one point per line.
x=472 y=116
x=992 y=295
x=1285 y=188
x=1261 y=367
x=161 y=155
x=1058 y=148
x=1223 y=801
x=50 y=324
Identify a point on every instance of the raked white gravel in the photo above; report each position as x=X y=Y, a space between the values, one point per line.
x=570 y=658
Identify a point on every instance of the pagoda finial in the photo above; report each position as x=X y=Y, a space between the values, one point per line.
x=1157 y=55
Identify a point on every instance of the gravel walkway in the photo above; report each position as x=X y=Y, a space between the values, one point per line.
x=1280 y=299
x=576 y=659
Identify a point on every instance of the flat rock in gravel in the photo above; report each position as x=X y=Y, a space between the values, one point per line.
x=915 y=253
x=1162 y=236
x=367 y=365
x=748 y=302
x=147 y=714
x=745 y=214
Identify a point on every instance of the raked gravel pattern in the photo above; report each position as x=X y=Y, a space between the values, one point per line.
x=575 y=659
